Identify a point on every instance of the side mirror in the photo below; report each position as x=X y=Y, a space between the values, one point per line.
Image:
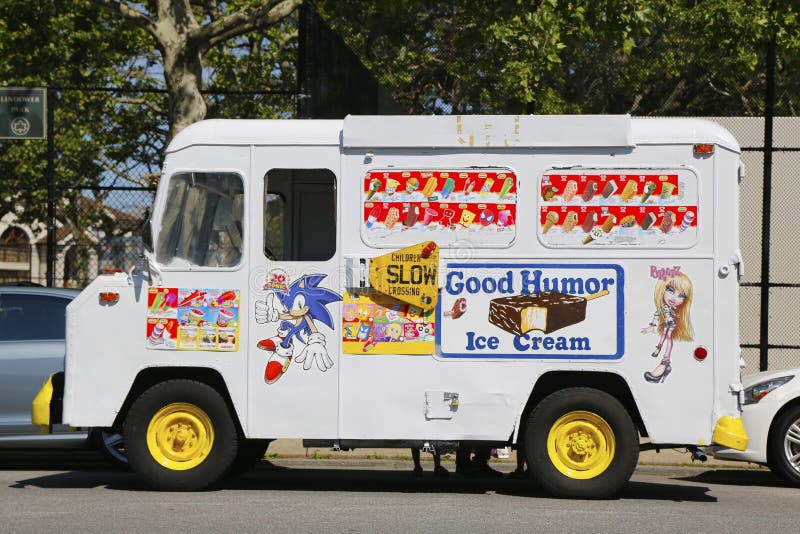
x=147 y=236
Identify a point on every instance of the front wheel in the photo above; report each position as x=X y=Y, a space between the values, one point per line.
x=581 y=442
x=180 y=436
x=784 y=446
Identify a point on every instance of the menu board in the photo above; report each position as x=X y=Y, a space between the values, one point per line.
x=403 y=207
x=618 y=208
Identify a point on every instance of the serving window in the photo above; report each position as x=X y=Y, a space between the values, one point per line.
x=619 y=208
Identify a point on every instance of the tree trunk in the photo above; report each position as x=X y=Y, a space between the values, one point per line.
x=183 y=72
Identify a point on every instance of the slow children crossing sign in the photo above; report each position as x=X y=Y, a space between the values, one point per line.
x=408 y=274
x=23 y=112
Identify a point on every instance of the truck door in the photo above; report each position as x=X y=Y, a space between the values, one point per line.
x=295 y=304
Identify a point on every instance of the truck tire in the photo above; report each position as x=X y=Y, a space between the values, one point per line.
x=180 y=436
x=784 y=446
x=111 y=446
x=581 y=442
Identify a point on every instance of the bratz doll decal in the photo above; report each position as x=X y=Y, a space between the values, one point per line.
x=298 y=308
x=673 y=299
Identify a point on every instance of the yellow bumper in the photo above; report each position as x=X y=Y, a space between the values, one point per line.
x=40 y=408
x=730 y=433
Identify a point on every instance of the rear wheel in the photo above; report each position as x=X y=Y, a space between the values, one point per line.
x=581 y=442
x=179 y=435
x=784 y=446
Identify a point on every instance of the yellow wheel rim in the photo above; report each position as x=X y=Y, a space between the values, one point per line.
x=180 y=436
x=581 y=445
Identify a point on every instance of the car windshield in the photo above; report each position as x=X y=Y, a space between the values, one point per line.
x=202 y=222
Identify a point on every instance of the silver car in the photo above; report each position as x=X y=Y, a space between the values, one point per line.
x=32 y=324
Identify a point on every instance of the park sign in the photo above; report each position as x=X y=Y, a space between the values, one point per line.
x=23 y=112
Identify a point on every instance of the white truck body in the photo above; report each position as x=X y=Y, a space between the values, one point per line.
x=512 y=279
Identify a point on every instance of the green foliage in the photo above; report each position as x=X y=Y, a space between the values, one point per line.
x=690 y=57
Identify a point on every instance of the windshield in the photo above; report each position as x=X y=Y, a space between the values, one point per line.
x=202 y=221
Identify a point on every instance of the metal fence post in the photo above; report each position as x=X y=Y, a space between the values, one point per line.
x=769 y=112
x=51 y=190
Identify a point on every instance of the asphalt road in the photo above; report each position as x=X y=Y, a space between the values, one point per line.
x=78 y=493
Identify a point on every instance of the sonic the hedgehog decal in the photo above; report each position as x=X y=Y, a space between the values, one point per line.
x=299 y=308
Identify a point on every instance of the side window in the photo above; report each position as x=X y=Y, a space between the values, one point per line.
x=32 y=317
x=202 y=222
x=300 y=214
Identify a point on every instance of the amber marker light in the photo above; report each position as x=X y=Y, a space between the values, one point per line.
x=109 y=297
x=703 y=149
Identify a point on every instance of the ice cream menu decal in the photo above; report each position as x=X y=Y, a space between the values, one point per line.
x=545 y=311
x=192 y=319
x=406 y=206
x=618 y=208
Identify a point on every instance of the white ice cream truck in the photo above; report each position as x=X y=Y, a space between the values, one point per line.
x=567 y=285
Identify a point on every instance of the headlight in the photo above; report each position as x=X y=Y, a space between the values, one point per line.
x=756 y=392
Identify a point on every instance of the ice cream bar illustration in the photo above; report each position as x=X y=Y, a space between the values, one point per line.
x=504 y=218
x=373 y=216
x=570 y=190
x=157 y=334
x=547 y=311
x=549 y=193
x=666 y=190
x=507 y=184
x=466 y=218
x=629 y=191
x=649 y=189
x=412 y=185
x=628 y=221
x=570 y=221
x=195 y=298
x=374 y=185
x=459 y=308
x=487 y=186
x=391 y=218
x=589 y=191
x=608 y=224
x=430 y=187
x=448 y=187
x=687 y=221
x=158 y=301
x=648 y=221
x=609 y=189
x=486 y=217
x=469 y=185
x=596 y=233
x=447 y=217
x=411 y=216
x=550 y=220
x=227 y=298
x=667 y=222
x=589 y=222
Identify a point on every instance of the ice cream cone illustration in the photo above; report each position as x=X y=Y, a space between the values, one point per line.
x=596 y=233
x=570 y=221
x=551 y=219
x=374 y=185
x=649 y=189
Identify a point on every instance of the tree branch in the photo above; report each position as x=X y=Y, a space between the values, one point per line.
x=266 y=14
x=128 y=11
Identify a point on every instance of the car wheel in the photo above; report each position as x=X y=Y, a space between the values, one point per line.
x=581 y=442
x=251 y=451
x=180 y=436
x=111 y=445
x=784 y=446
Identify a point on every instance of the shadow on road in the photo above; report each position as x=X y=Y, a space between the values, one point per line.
x=738 y=477
x=85 y=473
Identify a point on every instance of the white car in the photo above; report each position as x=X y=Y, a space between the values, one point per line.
x=771 y=416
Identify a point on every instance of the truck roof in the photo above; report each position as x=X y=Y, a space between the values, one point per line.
x=459 y=131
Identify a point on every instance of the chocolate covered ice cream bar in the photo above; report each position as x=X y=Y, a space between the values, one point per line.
x=648 y=221
x=609 y=189
x=548 y=311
